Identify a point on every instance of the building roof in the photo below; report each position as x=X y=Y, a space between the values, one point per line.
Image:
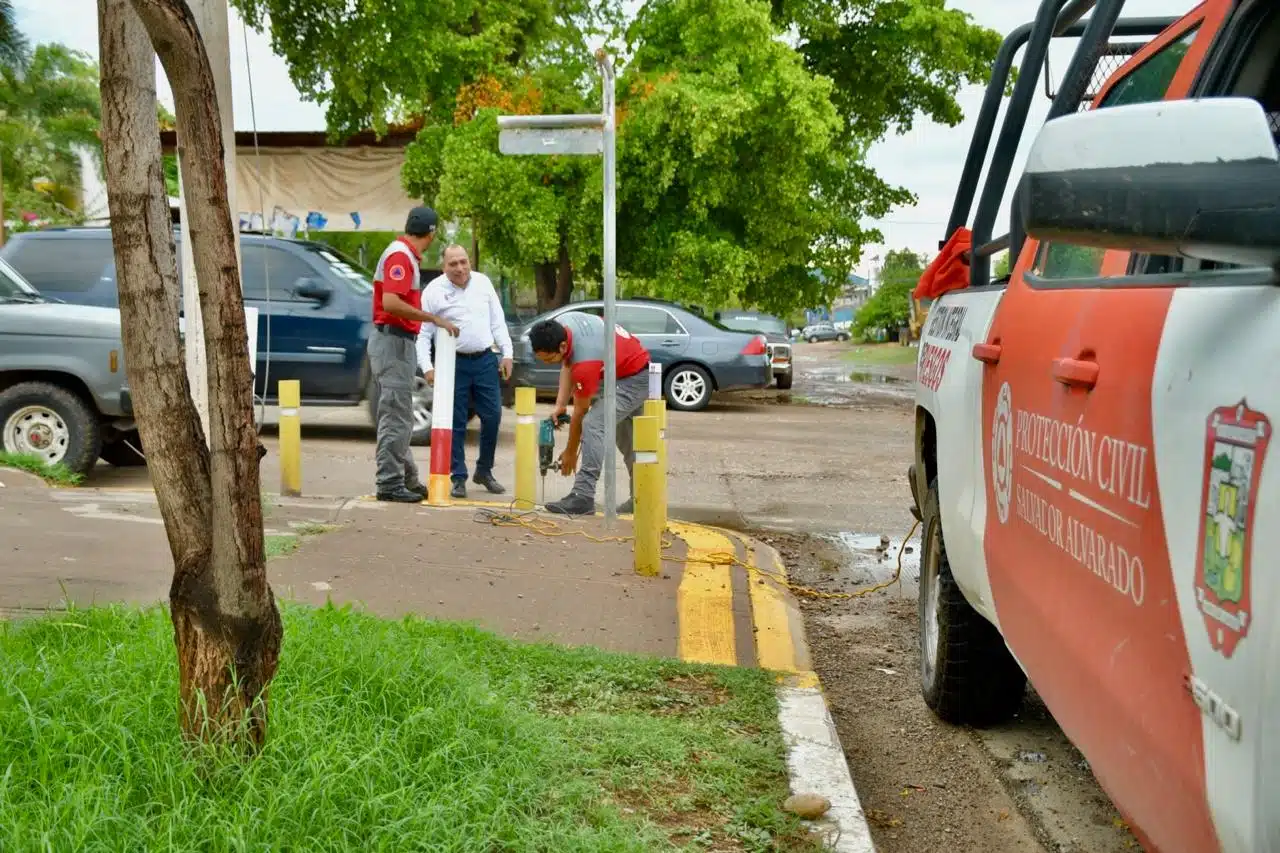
x=395 y=137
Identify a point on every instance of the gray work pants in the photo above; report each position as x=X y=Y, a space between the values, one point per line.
x=631 y=394
x=394 y=363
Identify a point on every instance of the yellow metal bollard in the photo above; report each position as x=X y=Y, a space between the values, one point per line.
x=290 y=392
x=526 y=449
x=647 y=524
x=658 y=409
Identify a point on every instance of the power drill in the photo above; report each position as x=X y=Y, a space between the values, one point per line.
x=547 y=442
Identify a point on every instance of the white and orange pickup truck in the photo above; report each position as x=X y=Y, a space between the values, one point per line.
x=1095 y=468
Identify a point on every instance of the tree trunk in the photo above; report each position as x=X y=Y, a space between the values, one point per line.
x=226 y=625
x=553 y=281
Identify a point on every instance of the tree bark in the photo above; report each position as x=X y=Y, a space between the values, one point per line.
x=553 y=280
x=226 y=625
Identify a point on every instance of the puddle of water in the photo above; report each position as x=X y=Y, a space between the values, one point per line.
x=873 y=557
x=875 y=378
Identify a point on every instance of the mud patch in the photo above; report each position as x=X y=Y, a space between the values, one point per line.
x=926 y=785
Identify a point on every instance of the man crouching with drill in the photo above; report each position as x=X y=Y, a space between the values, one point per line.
x=575 y=341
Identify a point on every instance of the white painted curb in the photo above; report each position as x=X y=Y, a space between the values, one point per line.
x=816 y=764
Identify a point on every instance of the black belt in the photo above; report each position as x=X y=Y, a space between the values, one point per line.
x=481 y=354
x=399 y=332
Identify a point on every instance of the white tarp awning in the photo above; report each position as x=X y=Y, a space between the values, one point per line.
x=331 y=182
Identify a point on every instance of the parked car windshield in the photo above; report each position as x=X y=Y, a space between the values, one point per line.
x=346 y=269
x=753 y=323
x=14 y=289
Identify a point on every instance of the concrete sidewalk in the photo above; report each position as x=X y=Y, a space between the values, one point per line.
x=551 y=579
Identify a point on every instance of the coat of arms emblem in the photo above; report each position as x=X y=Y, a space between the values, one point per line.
x=1236 y=439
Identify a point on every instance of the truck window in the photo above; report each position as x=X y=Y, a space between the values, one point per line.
x=1148 y=82
x=283 y=268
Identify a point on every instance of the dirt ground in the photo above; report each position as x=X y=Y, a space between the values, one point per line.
x=926 y=785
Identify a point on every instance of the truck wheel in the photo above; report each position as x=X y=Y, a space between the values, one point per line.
x=125 y=451
x=967 y=674
x=50 y=422
x=784 y=381
x=688 y=388
x=421 y=410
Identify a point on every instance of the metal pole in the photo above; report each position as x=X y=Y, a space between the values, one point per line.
x=212 y=20
x=608 y=264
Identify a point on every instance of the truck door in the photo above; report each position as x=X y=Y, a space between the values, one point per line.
x=1076 y=539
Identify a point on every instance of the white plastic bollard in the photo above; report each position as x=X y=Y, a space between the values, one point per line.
x=655 y=381
x=445 y=352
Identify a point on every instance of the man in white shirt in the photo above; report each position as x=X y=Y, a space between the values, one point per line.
x=468 y=300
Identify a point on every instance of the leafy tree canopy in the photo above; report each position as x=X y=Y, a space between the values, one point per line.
x=891 y=60
x=890 y=306
x=13 y=45
x=47 y=110
x=741 y=156
x=381 y=61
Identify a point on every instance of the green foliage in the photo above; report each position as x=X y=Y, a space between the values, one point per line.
x=377 y=61
x=735 y=181
x=350 y=243
x=13 y=45
x=385 y=735
x=1002 y=266
x=891 y=60
x=741 y=160
x=890 y=306
x=47 y=110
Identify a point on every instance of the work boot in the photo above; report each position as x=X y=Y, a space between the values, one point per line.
x=486 y=480
x=572 y=505
x=399 y=495
x=627 y=507
x=459 y=490
x=418 y=488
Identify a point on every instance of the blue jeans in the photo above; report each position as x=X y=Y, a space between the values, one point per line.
x=476 y=385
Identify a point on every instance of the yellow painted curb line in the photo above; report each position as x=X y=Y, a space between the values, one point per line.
x=704 y=602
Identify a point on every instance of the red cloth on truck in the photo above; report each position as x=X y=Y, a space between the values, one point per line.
x=950 y=270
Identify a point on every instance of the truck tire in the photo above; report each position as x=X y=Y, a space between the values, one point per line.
x=421 y=410
x=967 y=674
x=51 y=422
x=688 y=388
x=124 y=451
x=784 y=380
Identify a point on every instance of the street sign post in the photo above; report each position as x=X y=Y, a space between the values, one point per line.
x=586 y=136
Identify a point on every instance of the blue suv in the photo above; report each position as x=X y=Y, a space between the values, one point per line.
x=314 y=326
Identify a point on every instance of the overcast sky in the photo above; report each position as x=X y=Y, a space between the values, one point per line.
x=927 y=160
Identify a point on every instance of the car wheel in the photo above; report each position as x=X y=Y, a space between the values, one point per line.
x=422 y=393
x=842 y=337
x=50 y=422
x=784 y=381
x=813 y=339
x=967 y=674
x=125 y=451
x=688 y=388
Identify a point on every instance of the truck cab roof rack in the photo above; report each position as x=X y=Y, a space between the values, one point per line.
x=1055 y=19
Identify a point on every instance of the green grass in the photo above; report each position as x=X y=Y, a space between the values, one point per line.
x=385 y=735
x=881 y=354
x=284 y=544
x=57 y=475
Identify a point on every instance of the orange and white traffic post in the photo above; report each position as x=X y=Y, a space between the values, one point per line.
x=438 y=484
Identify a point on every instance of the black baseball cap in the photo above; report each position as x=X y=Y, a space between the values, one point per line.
x=421 y=222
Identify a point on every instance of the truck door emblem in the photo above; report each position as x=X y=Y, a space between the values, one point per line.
x=1002 y=452
x=1236 y=439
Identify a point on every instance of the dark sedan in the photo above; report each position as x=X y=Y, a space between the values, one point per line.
x=698 y=356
